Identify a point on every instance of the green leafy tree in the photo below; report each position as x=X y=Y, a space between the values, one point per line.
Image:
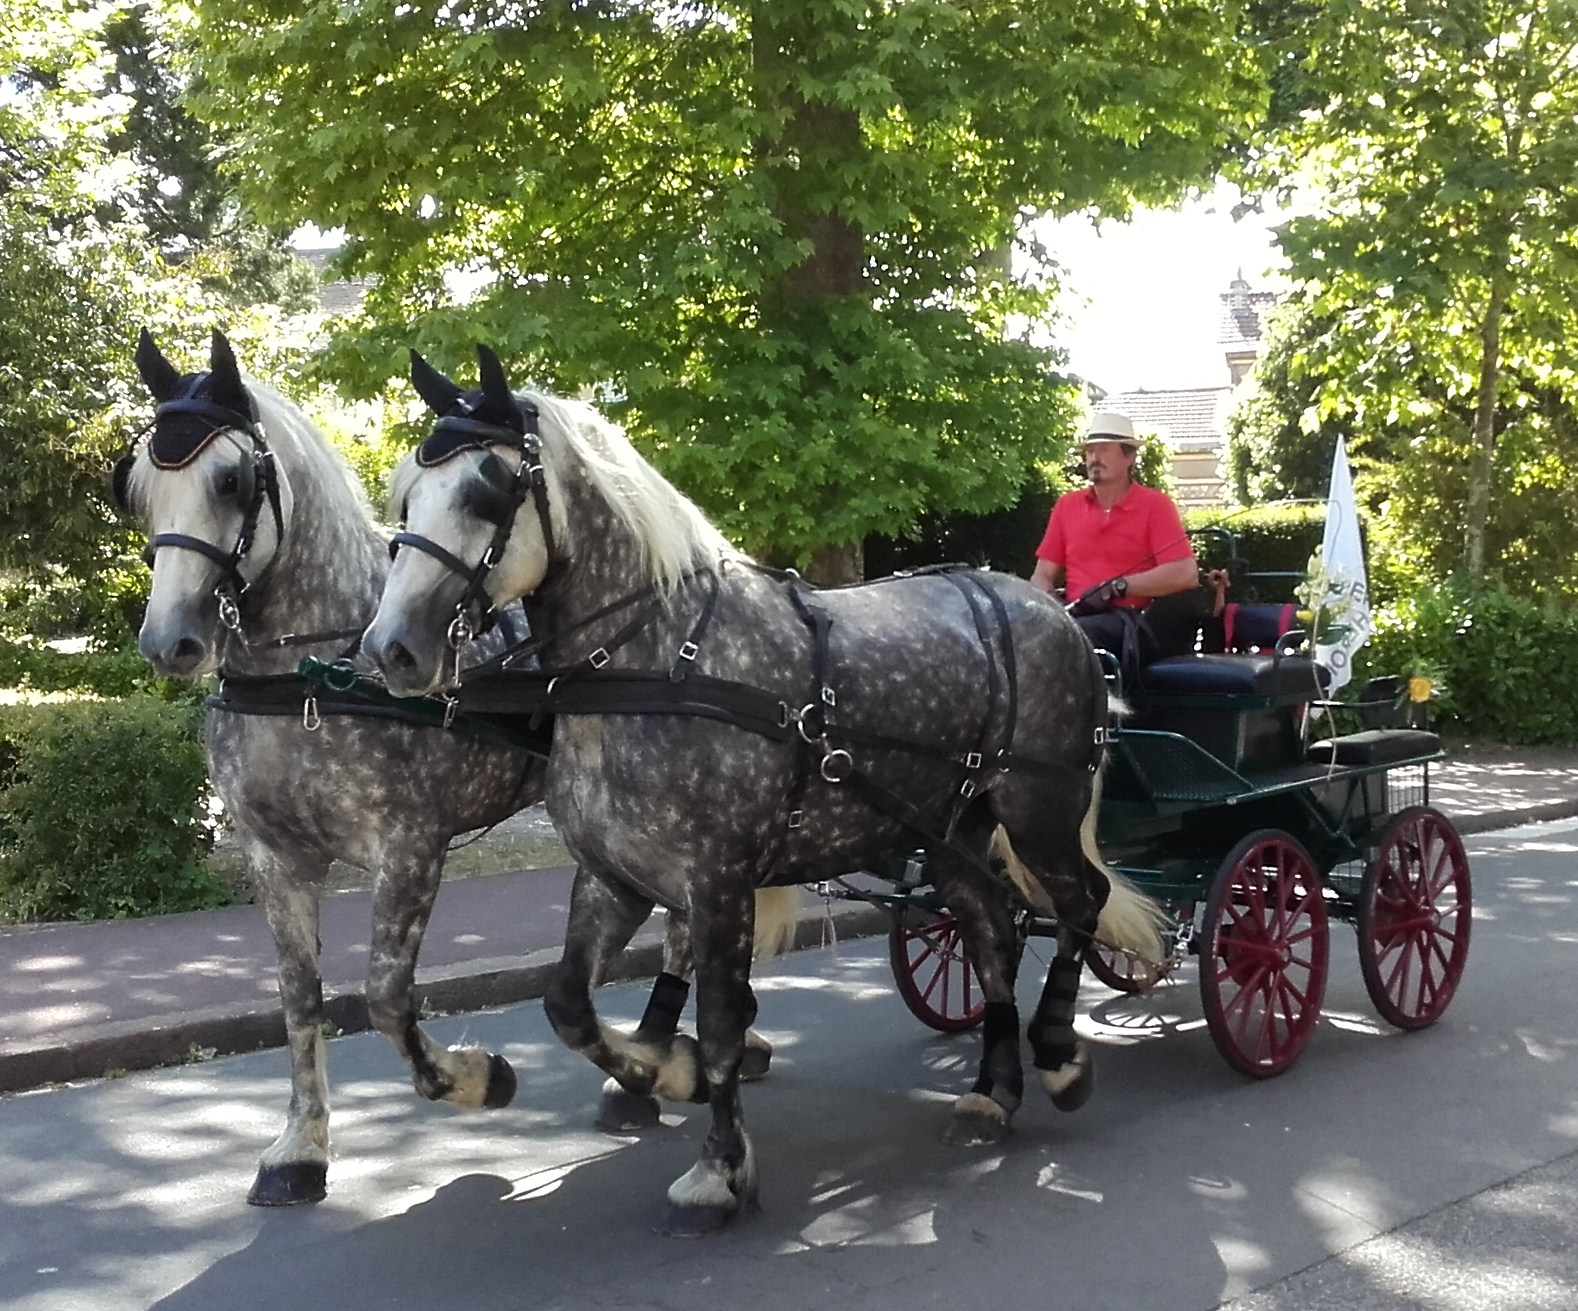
x=83 y=269
x=780 y=237
x=1445 y=136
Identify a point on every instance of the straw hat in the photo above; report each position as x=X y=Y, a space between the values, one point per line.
x=1110 y=426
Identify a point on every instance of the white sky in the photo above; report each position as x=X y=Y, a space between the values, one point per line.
x=1142 y=299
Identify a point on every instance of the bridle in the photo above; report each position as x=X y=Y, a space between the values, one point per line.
x=260 y=483
x=475 y=614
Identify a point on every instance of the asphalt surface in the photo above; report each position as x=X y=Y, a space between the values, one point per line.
x=1388 y=1171
x=84 y=1000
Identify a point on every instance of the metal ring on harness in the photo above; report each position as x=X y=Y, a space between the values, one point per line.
x=837 y=772
x=800 y=721
x=459 y=632
x=340 y=676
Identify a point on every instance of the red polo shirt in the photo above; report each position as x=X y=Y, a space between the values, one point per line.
x=1093 y=545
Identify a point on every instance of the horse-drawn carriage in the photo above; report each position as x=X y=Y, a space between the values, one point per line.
x=718 y=729
x=1220 y=806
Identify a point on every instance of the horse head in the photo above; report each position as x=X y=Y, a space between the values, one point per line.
x=204 y=480
x=473 y=501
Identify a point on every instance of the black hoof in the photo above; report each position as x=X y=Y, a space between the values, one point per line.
x=625 y=1112
x=1077 y=1093
x=293 y=1184
x=756 y=1063
x=975 y=1129
x=701 y=1221
x=501 y=1083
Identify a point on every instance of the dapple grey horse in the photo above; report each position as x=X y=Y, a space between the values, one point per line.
x=720 y=728
x=264 y=549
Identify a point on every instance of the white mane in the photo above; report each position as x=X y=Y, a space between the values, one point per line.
x=581 y=446
x=674 y=536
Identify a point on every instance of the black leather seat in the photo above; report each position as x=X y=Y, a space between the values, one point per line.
x=1231 y=674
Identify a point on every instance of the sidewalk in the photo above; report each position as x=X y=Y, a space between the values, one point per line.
x=81 y=1000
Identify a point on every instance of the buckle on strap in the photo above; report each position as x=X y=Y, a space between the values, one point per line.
x=599 y=658
x=687 y=651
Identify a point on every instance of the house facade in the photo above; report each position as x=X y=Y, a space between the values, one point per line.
x=1193 y=420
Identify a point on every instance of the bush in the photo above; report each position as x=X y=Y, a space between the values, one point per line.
x=1276 y=540
x=103 y=811
x=1495 y=658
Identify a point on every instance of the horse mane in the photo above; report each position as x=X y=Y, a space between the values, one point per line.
x=579 y=444
x=303 y=453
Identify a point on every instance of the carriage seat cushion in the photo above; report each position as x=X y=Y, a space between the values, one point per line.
x=1236 y=675
x=1375 y=746
x=1249 y=627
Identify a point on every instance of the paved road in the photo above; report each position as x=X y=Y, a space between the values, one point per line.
x=1435 y=1170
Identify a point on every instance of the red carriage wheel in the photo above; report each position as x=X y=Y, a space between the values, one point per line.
x=934 y=975
x=1263 y=953
x=1121 y=971
x=1414 y=913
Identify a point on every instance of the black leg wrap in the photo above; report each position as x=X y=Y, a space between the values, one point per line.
x=1001 y=1077
x=660 y=1021
x=1051 y=1031
x=501 y=1083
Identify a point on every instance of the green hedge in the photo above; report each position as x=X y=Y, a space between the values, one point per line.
x=1276 y=541
x=1497 y=660
x=103 y=811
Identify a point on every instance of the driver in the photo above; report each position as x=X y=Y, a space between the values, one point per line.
x=1113 y=547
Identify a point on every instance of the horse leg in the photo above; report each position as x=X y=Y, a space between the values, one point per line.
x=294 y=1168
x=623 y=1111
x=1053 y=870
x=722 y=1185
x=991 y=939
x=1061 y=1057
x=654 y=1060
x=464 y=1076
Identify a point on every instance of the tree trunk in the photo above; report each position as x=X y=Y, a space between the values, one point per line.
x=1476 y=513
x=834 y=565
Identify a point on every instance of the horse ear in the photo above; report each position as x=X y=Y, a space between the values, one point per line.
x=436 y=391
x=496 y=387
x=224 y=375
x=161 y=377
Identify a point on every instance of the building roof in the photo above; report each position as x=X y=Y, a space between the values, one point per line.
x=1191 y=418
x=336 y=295
x=1243 y=314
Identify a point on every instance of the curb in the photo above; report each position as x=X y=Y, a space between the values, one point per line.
x=1495 y=820
x=103 y=1050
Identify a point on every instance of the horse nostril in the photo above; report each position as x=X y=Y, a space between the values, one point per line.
x=395 y=656
x=188 y=651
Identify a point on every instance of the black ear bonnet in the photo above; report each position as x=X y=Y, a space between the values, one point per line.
x=477 y=421
x=184 y=425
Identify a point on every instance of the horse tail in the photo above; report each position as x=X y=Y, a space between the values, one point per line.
x=777 y=914
x=1129 y=921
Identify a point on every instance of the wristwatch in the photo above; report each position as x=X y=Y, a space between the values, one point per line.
x=1120 y=587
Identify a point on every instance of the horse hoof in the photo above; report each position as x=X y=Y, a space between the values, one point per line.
x=293 y=1184
x=755 y=1064
x=701 y=1221
x=974 y=1129
x=624 y=1112
x=501 y=1083
x=1071 y=1087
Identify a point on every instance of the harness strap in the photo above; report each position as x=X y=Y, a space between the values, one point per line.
x=692 y=644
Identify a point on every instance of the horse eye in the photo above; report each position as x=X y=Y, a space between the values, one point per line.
x=229 y=483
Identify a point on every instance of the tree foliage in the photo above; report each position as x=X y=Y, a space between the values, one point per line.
x=1437 y=325
x=88 y=175
x=777 y=236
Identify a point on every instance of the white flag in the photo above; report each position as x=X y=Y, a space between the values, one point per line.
x=1343 y=623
